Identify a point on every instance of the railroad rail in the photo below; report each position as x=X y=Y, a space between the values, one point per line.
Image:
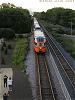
x=64 y=64
x=66 y=70
x=45 y=85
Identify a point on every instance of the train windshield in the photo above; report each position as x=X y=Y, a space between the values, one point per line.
x=40 y=39
x=37 y=28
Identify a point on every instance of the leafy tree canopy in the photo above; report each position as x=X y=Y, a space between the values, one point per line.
x=15 y=18
x=60 y=16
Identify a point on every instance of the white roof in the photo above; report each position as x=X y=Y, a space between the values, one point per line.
x=38 y=33
x=35 y=21
x=37 y=26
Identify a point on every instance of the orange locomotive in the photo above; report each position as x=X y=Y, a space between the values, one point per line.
x=39 y=47
x=39 y=42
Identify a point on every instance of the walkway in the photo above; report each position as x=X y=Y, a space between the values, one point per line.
x=21 y=86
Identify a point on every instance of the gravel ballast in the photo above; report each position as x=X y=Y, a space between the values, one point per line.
x=30 y=71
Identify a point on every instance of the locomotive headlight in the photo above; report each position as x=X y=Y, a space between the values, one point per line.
x=40 y=48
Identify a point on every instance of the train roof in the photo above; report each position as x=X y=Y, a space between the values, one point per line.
x=36 y=23
x=37 y=26
x=38 y=33
x=35 y=19
x=37 y=30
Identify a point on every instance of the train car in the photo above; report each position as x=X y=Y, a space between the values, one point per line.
x=39 y=42
x=39 y=33
x=39 y=38
x=35 y=21
x=36 y=25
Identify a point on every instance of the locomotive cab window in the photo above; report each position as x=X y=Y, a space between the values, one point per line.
x=40 y=39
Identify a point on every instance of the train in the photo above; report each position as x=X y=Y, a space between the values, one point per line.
x=39 y=38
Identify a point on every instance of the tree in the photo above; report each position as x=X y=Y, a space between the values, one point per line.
x=17 y=19
x=60 y=16
x=7 y=33
x=2 y=60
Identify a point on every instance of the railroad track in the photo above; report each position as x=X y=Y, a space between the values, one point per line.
x=69 y=72
x=45 y=86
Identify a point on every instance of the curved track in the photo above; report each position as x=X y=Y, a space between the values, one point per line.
x=45 y=85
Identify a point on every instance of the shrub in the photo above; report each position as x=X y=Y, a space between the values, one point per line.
x=7 y=33
x=9 y=46
x=2 y=60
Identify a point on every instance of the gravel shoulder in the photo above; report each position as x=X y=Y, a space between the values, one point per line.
x=30 y=71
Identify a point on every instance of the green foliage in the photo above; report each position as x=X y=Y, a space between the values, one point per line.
x=20 y=51
x=6 y=51
x=58 y=16
x=7 y=33
x=4 y=44
x=2 y=60
x=9 y=46
x=68 y=44
x=17 y=19
x=4 y=48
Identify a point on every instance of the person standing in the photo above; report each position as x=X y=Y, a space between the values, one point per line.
x=5 y=96
x=9 y=83
x=5 y=81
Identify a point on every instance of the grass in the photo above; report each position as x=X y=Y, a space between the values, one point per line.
x=67 y=43
x=7 y=56
x=20 y=52
x=15 y=56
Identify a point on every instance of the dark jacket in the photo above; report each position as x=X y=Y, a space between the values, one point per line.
x=5 y=97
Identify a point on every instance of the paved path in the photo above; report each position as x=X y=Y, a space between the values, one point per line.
x=21 y=86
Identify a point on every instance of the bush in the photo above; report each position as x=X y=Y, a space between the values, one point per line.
x=6 y=51
x=4 y=44
x=9 y=46
x=2 y=60
x=17 y=19
x=20 y=36
x=20 y=51
x=7 y=33
x=67 y=44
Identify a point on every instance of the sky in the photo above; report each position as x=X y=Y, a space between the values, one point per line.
x=41 y=5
